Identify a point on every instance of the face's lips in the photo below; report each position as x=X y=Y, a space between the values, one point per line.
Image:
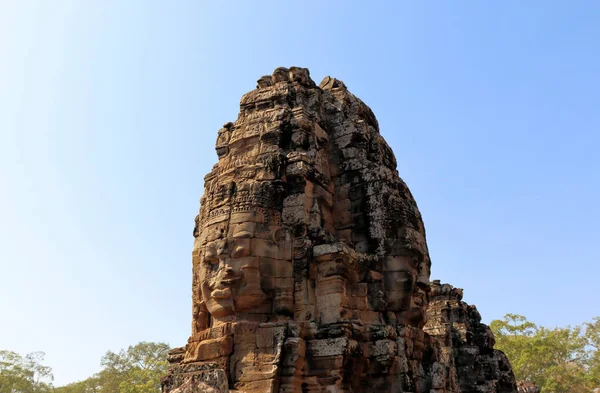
x=221 y=293
x=226 y=282
x=222 y=289
x=419 y=298
x=229 y=279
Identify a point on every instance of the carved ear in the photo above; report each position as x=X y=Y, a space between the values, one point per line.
x=277 y=235
x=261 y=216
x=300 y=231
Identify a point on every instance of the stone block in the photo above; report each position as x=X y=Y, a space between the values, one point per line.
x=331 y=285
x=270 y=337
x=385 y=348
x=329 y=347
x=294 y=352
x=209 y=349
x=268 y=249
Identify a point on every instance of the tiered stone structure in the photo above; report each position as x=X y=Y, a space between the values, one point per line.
x=467 y=345
x=310 y=264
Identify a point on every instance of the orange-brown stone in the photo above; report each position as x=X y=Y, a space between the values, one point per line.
x=310 y=262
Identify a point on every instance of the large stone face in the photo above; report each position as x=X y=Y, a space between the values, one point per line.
x=310 y=263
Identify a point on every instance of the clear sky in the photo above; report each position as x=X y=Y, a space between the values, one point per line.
x=109 y=112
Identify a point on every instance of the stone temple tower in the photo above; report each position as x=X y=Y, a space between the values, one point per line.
x=310 y=262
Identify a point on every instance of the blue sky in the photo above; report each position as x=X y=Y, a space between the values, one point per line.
x=109 y=112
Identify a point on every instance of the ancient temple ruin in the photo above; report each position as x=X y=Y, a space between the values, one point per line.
x=310 y=263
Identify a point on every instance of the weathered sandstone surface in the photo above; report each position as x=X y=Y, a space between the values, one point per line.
x=310 y=262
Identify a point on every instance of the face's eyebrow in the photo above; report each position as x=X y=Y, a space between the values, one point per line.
x=242 y=234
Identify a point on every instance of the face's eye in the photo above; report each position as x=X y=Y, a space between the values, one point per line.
x=211 y=256
x=415 y=263
x=240 y=248
x=238 y=252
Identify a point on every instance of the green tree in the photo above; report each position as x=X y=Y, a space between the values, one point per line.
x=592 y=336
x=90 y=385
x=27 y=374
x=559 y=360
x=137 y=369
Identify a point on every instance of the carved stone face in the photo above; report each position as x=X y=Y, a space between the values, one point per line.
x=400 y=281
x=238 y=262
x=407 y=284
x=420 y=296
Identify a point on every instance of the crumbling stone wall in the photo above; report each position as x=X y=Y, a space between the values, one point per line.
x=467 y=345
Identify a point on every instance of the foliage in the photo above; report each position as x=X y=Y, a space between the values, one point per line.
x=24 y=374
x=559 y=360
x=137 y=369
x=90 y=385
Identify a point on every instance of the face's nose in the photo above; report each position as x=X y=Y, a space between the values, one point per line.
x=229 y=271
x=228 y=264
x=240 y=247
x=222 y=249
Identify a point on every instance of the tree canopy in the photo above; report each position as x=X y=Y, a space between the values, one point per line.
x=24 y=374
x=137 y=369
x=559 y=360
